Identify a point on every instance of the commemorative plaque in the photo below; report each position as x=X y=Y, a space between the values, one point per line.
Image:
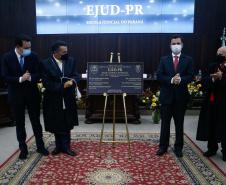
x=115 y=78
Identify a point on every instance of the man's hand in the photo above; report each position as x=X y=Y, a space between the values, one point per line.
x=69 y=83
x=26 y=76
x=176 y=79
x=217 y=75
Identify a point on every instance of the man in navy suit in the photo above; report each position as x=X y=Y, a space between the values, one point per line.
x=60 y=77
x=174 y=73
x=21 y=71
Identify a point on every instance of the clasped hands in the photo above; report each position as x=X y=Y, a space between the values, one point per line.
x=26 y=76
x=176 y=79
x=69 y=83
x=217 y=75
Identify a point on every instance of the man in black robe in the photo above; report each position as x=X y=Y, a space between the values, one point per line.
x=60 y=77
x=212 y=123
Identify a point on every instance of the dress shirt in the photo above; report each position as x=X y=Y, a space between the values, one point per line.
x=59 y=63
x=18 y=56
x=177 y=65
x=223 y=64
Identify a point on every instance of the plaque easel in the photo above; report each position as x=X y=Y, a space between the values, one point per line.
x=102 y=130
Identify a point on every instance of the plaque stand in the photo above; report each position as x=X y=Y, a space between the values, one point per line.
x=102 y=130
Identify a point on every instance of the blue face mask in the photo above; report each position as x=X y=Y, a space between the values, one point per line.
x=26 y=52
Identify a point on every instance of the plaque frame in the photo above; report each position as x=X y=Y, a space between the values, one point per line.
x=100 y=81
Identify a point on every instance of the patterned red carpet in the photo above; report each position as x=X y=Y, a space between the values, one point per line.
x=114 y=167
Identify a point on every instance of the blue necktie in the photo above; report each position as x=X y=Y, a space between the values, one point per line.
x=21 y=62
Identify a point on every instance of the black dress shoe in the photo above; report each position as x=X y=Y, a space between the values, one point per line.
x=43 y=151
x=209 y=153
x=69 y=152
x=13 y=124
x=161 y=151
x=224 y=157
x=23 y=154
x=179 y=153
x=56 y=151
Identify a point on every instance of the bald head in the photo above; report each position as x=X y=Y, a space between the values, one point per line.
x=222 y=51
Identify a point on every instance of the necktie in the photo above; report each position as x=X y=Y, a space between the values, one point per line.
x=222 y=66
x=21 y=62
x=59 y=64
x=175 y=62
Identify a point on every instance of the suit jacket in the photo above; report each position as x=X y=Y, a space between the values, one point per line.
x=171 y=92
x=11 y=72
x=206 y=114
x=54 y=116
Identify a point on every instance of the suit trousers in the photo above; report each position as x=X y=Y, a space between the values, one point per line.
x=63 y=140
x=212 y=144
x=34 y=115
x=167 y=111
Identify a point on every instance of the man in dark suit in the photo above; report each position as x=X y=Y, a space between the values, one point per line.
x=60 y=77
x=211 y=125
x=21 y=71
x=175 y=71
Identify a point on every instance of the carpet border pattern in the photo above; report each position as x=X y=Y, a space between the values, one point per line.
x=200 y=169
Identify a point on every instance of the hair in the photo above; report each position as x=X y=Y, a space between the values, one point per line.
x=20 y=38
x=175 y=37
x=56 y=45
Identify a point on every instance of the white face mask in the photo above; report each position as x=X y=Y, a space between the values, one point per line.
x=176 y=48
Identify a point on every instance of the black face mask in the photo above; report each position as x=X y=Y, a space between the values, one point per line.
x=64 y=57
x=220 y=59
